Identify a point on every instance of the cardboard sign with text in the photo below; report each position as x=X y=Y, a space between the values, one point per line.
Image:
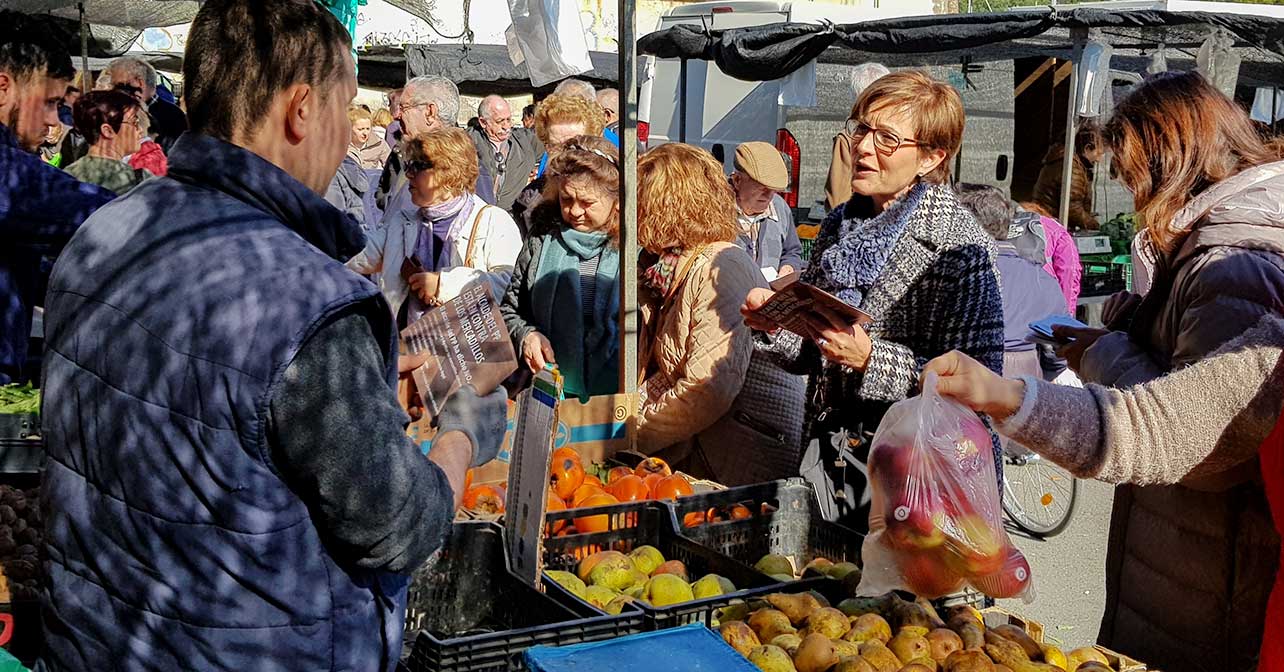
x=532 y=446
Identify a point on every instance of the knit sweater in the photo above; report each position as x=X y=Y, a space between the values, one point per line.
x=1200 y=421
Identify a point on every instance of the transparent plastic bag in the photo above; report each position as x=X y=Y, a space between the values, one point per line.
x=936 y=520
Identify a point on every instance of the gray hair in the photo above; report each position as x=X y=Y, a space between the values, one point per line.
x=487 y=104
x=993 y=210
x=577 y=87
x=865 y=74
x=436 y=90
x=127 y=68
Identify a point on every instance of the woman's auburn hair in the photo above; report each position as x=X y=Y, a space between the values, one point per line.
x=561 y=108
x=684 y=199
x=452 y=155
x=576 y=160
x=936 y=109
x=1173 y=137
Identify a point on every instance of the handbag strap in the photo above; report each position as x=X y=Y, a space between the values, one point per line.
x=472 y=236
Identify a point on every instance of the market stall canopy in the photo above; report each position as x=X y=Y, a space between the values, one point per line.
x=487 y=66
x=136 y=14
x=773 y=51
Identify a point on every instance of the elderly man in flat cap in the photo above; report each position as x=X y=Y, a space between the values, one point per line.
x=767 y=230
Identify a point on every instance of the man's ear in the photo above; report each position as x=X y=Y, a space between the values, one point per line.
x=8 y=88
x=300 y=111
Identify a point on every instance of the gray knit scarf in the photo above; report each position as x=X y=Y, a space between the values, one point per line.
x=858 y=248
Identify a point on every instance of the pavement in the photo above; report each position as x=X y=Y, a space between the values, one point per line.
x=1070 y=571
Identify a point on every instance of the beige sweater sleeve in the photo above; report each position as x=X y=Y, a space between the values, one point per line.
x=1201 y=421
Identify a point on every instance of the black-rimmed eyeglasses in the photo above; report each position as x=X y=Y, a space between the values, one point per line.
x=885 y=141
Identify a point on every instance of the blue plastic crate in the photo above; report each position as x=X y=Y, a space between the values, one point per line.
x=690 y=648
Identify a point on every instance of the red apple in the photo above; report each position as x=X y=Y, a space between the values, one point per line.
x=1012 y=579
x=912 y=525
x=975 y=547
x=890 y=465
x=926 y=574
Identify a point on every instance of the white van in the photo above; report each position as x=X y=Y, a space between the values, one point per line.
x=723 y=112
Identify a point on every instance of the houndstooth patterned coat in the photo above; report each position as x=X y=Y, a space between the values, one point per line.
x=938 y=291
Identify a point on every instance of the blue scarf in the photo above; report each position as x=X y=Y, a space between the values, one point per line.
x=858 y=248
x=588 y=354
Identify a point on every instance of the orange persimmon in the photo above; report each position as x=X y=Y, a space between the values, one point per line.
x=652 y=465
x=567 y=453
x=693 y=519
x=565 y=474
x=485 y=499
x=650 y=482
x=671 y=487
x=629 y=489
x=600 y=523
x=740 y=512
x=554 y=503
x=584 y=492
x=616 y=473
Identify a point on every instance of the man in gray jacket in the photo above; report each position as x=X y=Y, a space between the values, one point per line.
x=767 y=229
x=506 y=154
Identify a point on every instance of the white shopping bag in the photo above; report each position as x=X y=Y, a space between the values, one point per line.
x=551 y=38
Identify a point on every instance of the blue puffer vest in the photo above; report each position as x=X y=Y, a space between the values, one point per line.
x=174 y=542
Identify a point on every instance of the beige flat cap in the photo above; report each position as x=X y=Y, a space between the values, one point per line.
x=761 y=163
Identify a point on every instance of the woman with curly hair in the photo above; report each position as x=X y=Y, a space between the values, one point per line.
x=558 y=118
x=696 y=352
x=563 y=304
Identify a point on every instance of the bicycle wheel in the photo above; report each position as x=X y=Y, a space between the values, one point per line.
x=1038 y=496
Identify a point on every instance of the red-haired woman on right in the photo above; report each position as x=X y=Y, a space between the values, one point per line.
x=1189 y=567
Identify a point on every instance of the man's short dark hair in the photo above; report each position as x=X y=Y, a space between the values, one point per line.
x=242 y=53
x=31 y=45
x=103 y=107
x=528 y=111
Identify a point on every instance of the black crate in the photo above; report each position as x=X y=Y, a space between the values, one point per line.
x=1103 y=276
x=21 y=456
x=651 y=523
x=19 y=425
x=784 y=519
x=467 y=612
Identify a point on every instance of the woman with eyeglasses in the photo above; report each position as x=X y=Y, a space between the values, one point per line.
x=563 y=304
x=904 y=251
x=449 y=238
x=114 y=124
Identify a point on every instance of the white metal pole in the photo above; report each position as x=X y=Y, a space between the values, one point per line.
x=1080 y=36
x=628 y=206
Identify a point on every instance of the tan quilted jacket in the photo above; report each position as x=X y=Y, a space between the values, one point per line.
x=694 y=353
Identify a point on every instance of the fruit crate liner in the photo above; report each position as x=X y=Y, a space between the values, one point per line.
x=651 y=523
x=691 y=648
x=467 y=612
x=795 y=529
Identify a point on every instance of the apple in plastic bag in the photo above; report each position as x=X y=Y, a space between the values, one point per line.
x=926 y=573
x=914 y=521
x=1012 y=579
x=974 y=547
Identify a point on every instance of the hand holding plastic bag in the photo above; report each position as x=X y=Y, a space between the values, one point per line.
x=936 y=521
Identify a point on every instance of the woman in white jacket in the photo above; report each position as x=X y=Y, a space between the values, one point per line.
x=428 y=253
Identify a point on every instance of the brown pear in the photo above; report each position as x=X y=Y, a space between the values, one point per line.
x=1017 y=634
x=789 y=643
x=879 y=656
x=907 y=646
x=923 y=662
x=740 y=636
x=829 y=622
x=771 y=659
x=770 y=623
x=797 y=607
x=920 y=667
x=845 y=649
x=867 y=627
x=971 y=632
x=968 y=660
x=853 y=664
x=1083 y=654
x=1002 y=668
x=914 y=630
x=1092 y=666
x=943 y=642
x=815 y=654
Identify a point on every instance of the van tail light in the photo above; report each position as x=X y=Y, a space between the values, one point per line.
x=788 y=145
x=644 y=132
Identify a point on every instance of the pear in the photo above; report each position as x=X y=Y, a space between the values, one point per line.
x=768 y=623
x=907 y=646
x=845 y=649
x=614 y=572
x=614 y=607
x=740 y=636
x=599 y=596
x=829 y=622
x=853 y=664
x=815 y=654
x=867 y=627
x=817 y=567
x=1053 y=656
x=856 y=606
x=879 y=656
x=797 y=607
x=770 y=658
x=568 y=581
x=1017 y=634
x=942 y=643
x=914 y=631
x=646 y=558
x=1093 y=666
x=773 y=564
x=783 y=578
x=924 y=662
x=839 y=571
x=968 y=660
x=709 y=585
x=674 y=567
x=587 y=564
x=788 y=642
x=1083 y=655
x=666 y=589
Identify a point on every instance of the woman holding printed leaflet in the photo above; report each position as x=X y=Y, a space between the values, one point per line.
x=904 y=251
x=428 y=253
x=563 y=304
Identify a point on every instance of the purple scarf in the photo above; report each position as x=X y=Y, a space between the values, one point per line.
x=441 y=221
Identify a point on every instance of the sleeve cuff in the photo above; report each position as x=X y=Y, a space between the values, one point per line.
x=1030 y=398
x=890 y=373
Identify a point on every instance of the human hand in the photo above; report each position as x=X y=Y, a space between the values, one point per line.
x=1119 y=306
x=408 y=362
x=757 y=298
x=425 y=286
x=839 y=342
x=785 y=270
x=537 y=351
x=1076 y=340
x=483 y=419
x=968 y=382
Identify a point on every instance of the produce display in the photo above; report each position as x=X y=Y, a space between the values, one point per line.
x=21 y=538
x=936 y=521
x=18 y=399
x=804 y=633
x=610 y=579
x=573 y=485
x=782 y=568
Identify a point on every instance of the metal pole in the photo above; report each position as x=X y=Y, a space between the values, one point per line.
x=1080 y=36
x=629 y=211
x=682 y=101
x=84 y=50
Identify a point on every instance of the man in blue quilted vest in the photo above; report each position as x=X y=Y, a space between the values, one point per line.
x=229 y=485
